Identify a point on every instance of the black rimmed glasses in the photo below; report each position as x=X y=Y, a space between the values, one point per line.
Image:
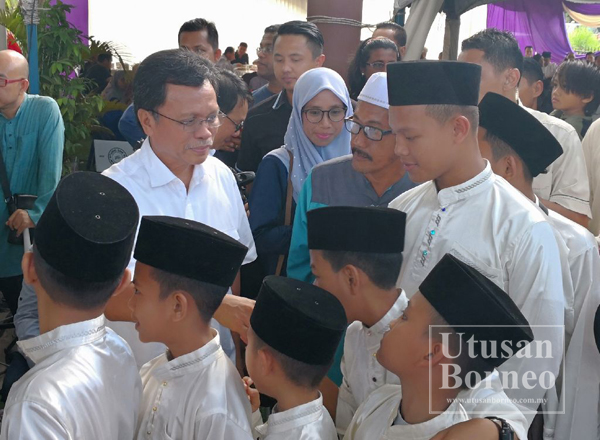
x=238 y=126
x=372 y=133
x=193 y=125
x=315 y=115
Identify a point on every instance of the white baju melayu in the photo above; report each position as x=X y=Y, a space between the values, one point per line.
x=199 y=395
x=379 y=417
x=309 y=421
x=565 y=181
x=491 y=226
x=84 y=385
x=363 y=375
x=212 y=198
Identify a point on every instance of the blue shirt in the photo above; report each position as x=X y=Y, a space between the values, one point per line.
x=261 y=94
x=32 y=145
x=130 y=128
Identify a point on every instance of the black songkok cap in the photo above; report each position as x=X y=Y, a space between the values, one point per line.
x=433 y=83
x=354 y=229
x=189 y=249
x=511 y=123
x=87 y=230
x=299 y=320
x=465 y=299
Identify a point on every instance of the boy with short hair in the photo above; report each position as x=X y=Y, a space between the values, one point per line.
x=576 y=94
x=361 y=271
x=85 y=382
x=295 y=330
x=458 y=326
x=183 y=271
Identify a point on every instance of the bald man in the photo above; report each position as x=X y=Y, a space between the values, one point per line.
x=31 y=145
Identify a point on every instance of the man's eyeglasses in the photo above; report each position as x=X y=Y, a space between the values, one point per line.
x=4 y=82
x=378 y=65
x=264 y=50
x=238 y=126
x=315 y=115
x=193 y=125
x=372 y=133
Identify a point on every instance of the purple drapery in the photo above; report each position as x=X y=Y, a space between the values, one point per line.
x=583 y=8
x=79 y=15
x=537 y=23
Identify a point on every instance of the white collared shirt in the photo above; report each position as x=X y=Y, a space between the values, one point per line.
x=491 y=226
x=378 y=417
x=197 y=395
x=213 y=198
x=591 y=151
x=310 y=421
x=565 y=181
x=84 y=385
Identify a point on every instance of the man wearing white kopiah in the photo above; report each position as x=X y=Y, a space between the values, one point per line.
x=465 y=210
x=173 y=174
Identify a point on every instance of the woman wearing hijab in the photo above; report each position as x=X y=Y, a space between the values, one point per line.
x=315 y=134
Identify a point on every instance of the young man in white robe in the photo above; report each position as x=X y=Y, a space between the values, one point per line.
x=518 y=147
x=85 y=382
x=296 y=328
x=459 y=327
x=193 y=390
x=361 y=270
x=465 y=210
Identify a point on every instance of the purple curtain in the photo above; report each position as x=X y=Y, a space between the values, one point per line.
x=79 y=16
x=537 y=23
x=583 y=8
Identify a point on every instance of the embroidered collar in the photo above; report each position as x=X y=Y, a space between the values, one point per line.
x=63 y=337
x=471 y=187
x=292 y=418
x=383 y=325
x=191 y=362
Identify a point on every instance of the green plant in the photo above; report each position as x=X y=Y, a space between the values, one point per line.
x=61 y=53
x=582 y=39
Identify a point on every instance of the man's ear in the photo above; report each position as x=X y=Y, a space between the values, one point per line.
x=320 y=60
x=28 y=267
x=179 y=305
x=147 y=121
x=351 y=278
x=588 y=99
x=513 y=168
x=217 y=55
x=511 y=79
x=462 y=128
x=435 y=354
x=267 y=362
x=538 y=88
x=24 y=85
x=402 y=52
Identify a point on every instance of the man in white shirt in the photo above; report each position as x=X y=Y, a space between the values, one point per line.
x=518 y=147
x=85 y=382
x=564 y=186
x=173 y=174
x=548 y=67
x=465 y=210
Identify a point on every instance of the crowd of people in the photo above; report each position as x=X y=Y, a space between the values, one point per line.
x=416 y=257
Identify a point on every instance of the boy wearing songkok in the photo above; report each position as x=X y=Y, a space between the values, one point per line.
x=85 y=382
x=361 y=270
x=193 y=391
x=456 y=329
x=295 y=329
x=518 y=148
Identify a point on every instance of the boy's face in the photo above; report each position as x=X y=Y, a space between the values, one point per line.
x=422 y=143
x=491 y=81
x=405 y=347
x=327 y=279
x=292 y=56
x=569 y=103
x=149 y=312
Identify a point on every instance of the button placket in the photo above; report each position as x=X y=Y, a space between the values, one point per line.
x=433 y=229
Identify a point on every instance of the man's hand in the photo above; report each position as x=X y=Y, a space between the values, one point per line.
x=234 y=313
x=231 y=144
x=20 y=221
x=480 y=429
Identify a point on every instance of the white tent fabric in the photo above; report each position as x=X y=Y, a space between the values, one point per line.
x=422 y=14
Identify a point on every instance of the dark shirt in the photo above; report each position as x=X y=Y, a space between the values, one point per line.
x=241 y=59
x=264 y=130
x=130 y=128
x=99 y=76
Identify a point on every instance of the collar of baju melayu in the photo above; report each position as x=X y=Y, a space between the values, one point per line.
x=191 y=362
x=159 y=173
x=63 y=337
x=470 y=188
x=292 y=418
x=383 y=325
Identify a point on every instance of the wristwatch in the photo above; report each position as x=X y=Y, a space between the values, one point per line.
x=505 y=431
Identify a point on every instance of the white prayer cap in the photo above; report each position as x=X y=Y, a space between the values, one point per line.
x=375 y=90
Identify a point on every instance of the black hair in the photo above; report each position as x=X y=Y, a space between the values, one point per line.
x=200 y=24
x=400 y=35
x=242 y=44
x=532 y=72
x=581 y=79
x=356 y=79
x=443 y=112
x=104 y=57
x=500 y=49
x=313 y=35
x=72 y=292
x=501 y=149
x=229 y=50
x=528 y=47
x=298 y=372
x=272 y=29
x=173 y=66
x=589 y=53
x=537 y=57
x=232 y=89
x=382 y=269
x=207 y=297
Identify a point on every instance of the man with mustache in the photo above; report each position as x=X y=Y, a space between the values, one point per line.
x=174 y=174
